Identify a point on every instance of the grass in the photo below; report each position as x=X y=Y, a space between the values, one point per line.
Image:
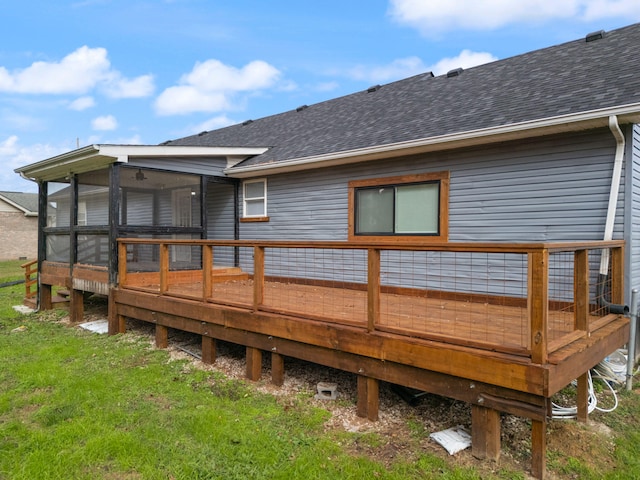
x=77 y=405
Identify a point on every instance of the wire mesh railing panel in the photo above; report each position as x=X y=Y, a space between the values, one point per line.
x=317 y=282
x=475 y=298
x=561 y=313
x=231 y=279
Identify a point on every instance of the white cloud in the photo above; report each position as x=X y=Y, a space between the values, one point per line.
x=466 y=59
x=212 y=124
x=211 y=86
x=14 y=155
x=82 y=103
x=106 y=122
x=436 y=16
x=77 y=73
x=400 y=68
x=119 y=87
x=406 y=67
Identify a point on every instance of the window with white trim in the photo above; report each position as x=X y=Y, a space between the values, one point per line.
x=254 y=195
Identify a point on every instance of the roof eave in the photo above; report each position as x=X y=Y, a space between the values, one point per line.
x=535 y=128
x=94 y=157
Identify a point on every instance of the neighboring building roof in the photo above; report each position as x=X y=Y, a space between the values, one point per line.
x=574 y=82
x=26 y=202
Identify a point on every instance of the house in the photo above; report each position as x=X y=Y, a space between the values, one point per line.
x=19 y=233
x=472 y=234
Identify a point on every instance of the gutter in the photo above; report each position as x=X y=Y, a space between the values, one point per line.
x=610 y=220
x=563 y=123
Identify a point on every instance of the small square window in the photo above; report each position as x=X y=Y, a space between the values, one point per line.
x=255 y=198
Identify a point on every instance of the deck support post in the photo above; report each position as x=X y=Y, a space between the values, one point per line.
x=76 y=306
x=277 y=369
x=208 y=350
x=162 y=336
x=538 y=448
x=254 y=364
x=117 y=322
x=485 y=433
x=583 y=398
x=368 y=398
x=46 y=302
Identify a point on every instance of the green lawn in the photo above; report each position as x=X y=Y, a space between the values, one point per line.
x=77 y=405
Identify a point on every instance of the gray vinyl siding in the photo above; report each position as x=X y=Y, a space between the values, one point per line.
x=634 y=227
x=545 y=189
x=221 y=220
x=548 y=189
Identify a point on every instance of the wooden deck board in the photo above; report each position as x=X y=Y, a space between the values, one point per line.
x=486 y=325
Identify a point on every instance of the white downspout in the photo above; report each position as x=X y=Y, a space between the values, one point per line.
x=613 y=192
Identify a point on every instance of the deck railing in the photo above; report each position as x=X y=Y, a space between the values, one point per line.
x=30 y=281
x=524 y=299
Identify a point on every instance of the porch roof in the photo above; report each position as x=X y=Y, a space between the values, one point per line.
x=94 y=157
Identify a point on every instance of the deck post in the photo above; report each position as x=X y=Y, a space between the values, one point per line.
x=162 y=336
x=164 y=268
x=117 y=322
x=538 y=448
x=45 y=297
x=208 y=350
x=207 y=268
x=277 y=369
x=538 y=303
x=122 y=264
x=254 y=364
x=582 y=401
x=485 y=433
x=368 y=398
x=76 y=306
x=373 y=289
x=258 y=277
x=581 y=290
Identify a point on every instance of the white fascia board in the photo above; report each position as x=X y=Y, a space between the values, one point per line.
x=534 y=128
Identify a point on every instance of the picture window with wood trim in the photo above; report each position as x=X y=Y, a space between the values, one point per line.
x=403 y=207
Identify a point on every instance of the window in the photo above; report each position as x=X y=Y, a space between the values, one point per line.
x=399 y=208
x=82 y=214
x=255 y=200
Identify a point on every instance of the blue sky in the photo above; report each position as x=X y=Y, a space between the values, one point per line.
x=73 y=73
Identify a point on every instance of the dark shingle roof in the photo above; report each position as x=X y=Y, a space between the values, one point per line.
x=574 y=77
x=28 y=202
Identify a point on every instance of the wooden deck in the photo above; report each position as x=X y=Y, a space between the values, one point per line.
x=376 y=313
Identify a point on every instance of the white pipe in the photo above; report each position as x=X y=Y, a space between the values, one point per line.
x=613 y=192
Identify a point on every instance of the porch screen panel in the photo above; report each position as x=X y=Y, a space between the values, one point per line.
x=58 y=248
x=58 y=204
x=93 y=249
x=93 y=198
x=160 y=199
